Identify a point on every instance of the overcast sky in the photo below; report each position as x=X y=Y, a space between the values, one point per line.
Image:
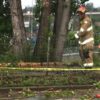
x=32 y=2
x=27 y=3
x=95 y=2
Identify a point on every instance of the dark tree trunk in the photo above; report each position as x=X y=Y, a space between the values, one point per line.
x=40 y=51
x=58 y=16
x=63 y=29
x=57 y=25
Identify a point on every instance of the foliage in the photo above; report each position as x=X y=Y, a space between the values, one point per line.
x=53 y=3
x=38 y=8
x=6 y=58
x=5 y=26
x=96 y=19
x=97 y=39
x=5 y=18
x=59 y=94
x=75 y=4
x=97 y=84
x=71 y=41
x=97 y=59
x=57 y=79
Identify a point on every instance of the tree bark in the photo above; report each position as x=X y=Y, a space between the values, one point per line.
x=40 y=51
x=19 y=35
x=61 y=37
x=58 y=16
x=57 y=25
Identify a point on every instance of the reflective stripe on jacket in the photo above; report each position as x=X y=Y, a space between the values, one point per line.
x=85 y=32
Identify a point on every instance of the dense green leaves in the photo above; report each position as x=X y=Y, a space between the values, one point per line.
x=5 y=26
x=38 y=9
x=5 y=18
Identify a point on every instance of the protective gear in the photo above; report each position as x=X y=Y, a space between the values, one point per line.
x=86 y=41
x=76 y=35
x=81 y=9
x=86 y=53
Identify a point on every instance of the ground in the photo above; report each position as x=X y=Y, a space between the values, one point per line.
x=84 y=94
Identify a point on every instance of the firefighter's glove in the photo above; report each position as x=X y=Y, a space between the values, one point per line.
x=76 y=35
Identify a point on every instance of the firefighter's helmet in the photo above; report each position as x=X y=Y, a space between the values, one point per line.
x=81 y=9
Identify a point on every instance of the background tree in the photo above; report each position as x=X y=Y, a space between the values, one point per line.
x=19 y=35
x=41 y=44
x=57 y=23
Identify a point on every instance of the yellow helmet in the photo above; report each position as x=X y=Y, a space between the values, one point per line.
x=81 y=9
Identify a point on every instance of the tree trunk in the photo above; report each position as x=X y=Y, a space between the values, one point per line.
x=62 y=30
x=40 y=52
x=57 y=25
x=19 y=35
x=58 y=16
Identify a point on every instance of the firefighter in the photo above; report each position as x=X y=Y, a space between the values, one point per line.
x=85 y=36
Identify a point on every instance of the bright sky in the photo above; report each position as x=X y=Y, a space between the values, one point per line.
x=27 y=3
x=32 y=2
x=96 y=3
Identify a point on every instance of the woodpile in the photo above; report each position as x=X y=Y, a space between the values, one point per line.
x=42 y=64
x=32 y=64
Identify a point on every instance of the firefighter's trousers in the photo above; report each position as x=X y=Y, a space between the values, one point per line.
x=86 y=54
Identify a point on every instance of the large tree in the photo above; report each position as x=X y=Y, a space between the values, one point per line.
x=41 y=44
x=57 y=24
x=63 y=29
x=19 y=35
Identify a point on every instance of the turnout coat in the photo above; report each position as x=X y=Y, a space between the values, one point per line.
x=85 y=36
x=85 y=33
